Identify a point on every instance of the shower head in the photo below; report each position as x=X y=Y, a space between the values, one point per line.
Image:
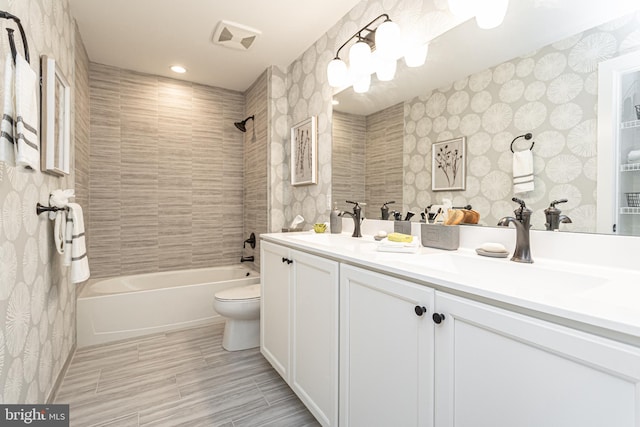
x=242 y=125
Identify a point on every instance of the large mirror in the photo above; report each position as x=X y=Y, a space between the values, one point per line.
x=537 y=73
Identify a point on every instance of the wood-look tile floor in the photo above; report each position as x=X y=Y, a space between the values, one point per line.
x=182 y=378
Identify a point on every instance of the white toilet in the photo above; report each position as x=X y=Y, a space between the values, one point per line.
x=241 y=307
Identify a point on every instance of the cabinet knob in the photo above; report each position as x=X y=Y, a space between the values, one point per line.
x=437 y=318
x=284 y=259
x=420 y=310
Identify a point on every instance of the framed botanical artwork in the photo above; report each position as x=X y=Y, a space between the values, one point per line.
x=304 y=152
x=55 y=129
x=448 y=167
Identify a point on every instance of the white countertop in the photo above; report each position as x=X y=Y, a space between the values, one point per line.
x=592 y=295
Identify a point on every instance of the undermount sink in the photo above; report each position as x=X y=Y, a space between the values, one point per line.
x=504 y=273
x=495 y=274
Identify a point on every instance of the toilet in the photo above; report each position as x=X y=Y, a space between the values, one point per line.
x=241 y=307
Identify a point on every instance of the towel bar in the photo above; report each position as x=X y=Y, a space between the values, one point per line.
x=7 y=15
x=40 y=208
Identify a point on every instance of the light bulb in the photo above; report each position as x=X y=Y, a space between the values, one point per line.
x=416 y=55
x=359 y=60
x=337 y=74
x=387 y=39
x=386 y=69
x=362 y=84
x=490 y=13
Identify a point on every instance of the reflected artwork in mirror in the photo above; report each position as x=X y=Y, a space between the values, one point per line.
x=550 y=90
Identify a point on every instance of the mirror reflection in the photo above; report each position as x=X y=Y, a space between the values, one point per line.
x=382 y=144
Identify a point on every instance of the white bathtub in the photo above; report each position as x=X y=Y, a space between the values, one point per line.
x=130 y=306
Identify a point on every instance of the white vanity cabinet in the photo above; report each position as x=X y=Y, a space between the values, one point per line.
x=386 y=350
x=299 y=325
x=503 y=369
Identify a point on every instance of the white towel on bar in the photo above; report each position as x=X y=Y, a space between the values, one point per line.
x=60 y=230
x=26 y=115
x=522 y=171
x=77 y=256
x=6 y=138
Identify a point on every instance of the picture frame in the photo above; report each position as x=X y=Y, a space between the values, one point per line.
x=55 y=119
x=448 y=165
x=304 y=163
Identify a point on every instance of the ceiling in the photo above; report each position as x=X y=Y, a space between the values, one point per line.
x=151 y=35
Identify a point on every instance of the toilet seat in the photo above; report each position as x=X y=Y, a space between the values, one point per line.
x=241 y=293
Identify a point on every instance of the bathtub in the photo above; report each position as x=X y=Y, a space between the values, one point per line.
x=131 y=306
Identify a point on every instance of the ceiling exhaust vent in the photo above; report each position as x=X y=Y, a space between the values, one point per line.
x=235 y=36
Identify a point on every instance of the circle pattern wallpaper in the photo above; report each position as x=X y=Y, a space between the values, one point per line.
x=34 y=301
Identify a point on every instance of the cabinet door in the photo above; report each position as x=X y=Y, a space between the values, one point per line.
x=314 y=373
x=275 y=276
x=386 y=351
x=499 y=368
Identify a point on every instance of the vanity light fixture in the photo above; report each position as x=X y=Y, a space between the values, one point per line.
x=376 y=50
x=178 y=69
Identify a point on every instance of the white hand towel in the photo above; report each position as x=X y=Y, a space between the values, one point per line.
x=6 y=138
x=26 y=112
x=633 y=156
x=60 y=230
x=77 y=256
x=522 y=171
x=385 y=245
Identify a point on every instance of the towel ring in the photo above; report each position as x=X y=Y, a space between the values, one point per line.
x=526 y=136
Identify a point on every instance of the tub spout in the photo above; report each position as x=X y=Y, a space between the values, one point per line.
x=246 y=258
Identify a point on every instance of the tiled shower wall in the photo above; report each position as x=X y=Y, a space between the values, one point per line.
x=37 y=300
x=367 y=159
x=166 y=174
x=349 y=135
x=383 y=159
x=255 y=164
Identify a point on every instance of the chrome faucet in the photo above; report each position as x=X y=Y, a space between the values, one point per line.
x=522 y=221
x=554 y=218
x=356 y=218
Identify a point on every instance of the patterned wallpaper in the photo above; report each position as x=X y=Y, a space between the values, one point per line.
x=166 y=174
x=37 y=301
x=553 y=94
x=304 y=92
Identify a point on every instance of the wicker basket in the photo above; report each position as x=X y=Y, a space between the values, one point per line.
x=633 y=200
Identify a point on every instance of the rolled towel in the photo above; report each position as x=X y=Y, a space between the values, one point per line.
x=6 y=138
x=26 y=147
x=523 y=171
x=633 y=156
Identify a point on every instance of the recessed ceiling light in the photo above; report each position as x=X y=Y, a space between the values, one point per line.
x=178 y=69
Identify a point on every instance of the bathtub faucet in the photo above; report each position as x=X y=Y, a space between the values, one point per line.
x=246 y=258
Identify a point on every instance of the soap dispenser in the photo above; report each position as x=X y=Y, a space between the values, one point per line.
x=335 y=221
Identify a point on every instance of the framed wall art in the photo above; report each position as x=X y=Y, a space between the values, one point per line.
x=55 y=127
x=304 y=152
x=448 y=167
